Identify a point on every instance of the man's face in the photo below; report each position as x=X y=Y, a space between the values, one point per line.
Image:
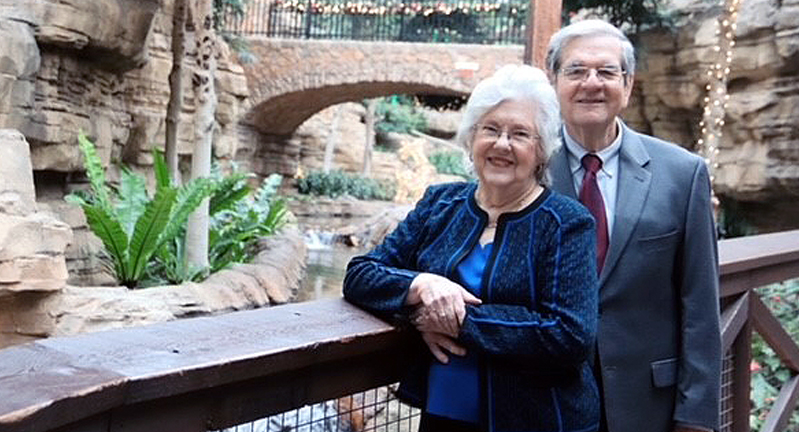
x=594 y=100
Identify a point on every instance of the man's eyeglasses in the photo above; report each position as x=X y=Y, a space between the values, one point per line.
x=493 y=132
x=604 y=73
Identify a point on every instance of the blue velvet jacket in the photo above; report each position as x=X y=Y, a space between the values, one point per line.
x=534 y=331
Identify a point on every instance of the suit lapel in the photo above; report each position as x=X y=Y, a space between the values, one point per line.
x=561 y=172
x=633 y=189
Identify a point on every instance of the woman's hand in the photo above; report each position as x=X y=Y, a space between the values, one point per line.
x=440 y=344
x=440 y=304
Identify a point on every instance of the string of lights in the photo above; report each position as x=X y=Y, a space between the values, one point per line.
x=391 y=8
x=717 y=98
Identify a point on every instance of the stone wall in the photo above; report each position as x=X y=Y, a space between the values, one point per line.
x=100 y=66
x=37 y=302
x=759 y=158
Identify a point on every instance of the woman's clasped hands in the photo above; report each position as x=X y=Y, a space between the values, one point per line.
x=440 y=307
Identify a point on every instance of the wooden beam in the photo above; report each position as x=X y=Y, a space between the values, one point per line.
x=733 y=319
x=754 y=261
x=774 y=334
x=291 y=353
x=783 y=407
x=543 y=22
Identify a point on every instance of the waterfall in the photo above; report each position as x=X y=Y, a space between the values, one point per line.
x=318 y=240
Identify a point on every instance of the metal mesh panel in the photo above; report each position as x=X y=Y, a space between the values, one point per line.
x=727 y=378
x=375 y=410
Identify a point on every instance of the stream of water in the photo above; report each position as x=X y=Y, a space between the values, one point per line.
x=325 y=267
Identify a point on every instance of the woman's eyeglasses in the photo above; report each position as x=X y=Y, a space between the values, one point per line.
x=492 y=132
x=582 y=73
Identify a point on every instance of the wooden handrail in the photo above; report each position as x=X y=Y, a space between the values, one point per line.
x=209 y=372
x=214 y=372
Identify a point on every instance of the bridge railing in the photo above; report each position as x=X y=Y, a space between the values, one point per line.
x=212 y=373
x=448 y=21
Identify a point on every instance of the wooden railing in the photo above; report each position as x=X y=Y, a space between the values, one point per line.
x=747 y=263
x=213 y=372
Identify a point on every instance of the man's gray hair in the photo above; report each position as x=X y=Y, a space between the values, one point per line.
x=592 y=27
x=520 y=83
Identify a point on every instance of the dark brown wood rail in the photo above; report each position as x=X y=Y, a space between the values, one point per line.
x=213 y=372
x=198 y=374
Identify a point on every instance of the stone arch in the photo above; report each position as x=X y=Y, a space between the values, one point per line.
x=294 y=79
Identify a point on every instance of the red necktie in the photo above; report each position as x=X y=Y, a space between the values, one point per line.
x=591 y=197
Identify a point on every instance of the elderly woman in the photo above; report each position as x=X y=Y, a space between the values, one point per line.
x=498 y=277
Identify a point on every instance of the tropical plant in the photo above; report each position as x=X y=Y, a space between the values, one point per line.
x=337 y=183
x=132 y=224
x=238 y=222
x=237 y=228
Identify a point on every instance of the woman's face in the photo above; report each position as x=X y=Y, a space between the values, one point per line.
x=504 y=145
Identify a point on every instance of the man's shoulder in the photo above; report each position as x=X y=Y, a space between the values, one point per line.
x=665 y=152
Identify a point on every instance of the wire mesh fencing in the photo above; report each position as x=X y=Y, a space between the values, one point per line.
x=375 y=410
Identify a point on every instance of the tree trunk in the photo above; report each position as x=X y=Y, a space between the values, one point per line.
x=371 y=106
x=173 y=108
x=332 y=140
x=205 y=102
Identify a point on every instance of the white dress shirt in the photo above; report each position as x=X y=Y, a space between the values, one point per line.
x=607 y=177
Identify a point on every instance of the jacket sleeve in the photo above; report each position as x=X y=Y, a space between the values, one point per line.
x=379 y=280
x=699 y=373
x=559 y=329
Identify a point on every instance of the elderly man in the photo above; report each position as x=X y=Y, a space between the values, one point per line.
x=658 y=356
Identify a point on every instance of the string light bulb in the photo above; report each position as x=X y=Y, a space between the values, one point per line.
x=716 y=97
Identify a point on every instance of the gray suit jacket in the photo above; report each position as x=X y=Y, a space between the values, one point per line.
x=658 y=341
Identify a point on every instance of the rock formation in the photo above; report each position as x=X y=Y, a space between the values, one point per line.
x=760 y=144
x=100 y=66
x=32 y=242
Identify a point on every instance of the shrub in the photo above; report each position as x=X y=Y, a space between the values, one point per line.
x=450 y=162
x=398 y=114
x=239 y=220
x=337 y=183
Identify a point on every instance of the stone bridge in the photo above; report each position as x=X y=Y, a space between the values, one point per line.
x=293 y=79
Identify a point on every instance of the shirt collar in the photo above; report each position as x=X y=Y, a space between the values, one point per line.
x=607 y=155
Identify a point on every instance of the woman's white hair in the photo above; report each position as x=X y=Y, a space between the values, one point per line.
x=520 y=83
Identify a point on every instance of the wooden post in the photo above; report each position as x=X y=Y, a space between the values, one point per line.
x=543 y=22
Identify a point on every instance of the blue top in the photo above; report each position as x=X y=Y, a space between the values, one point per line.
x=536 y=326
x=453 y=388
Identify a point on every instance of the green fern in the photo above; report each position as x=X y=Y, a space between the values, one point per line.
x=109 y=230
x=131 y=225
x=230 y=191
x=95 y=172
x=149 y=228
x=131 y=199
